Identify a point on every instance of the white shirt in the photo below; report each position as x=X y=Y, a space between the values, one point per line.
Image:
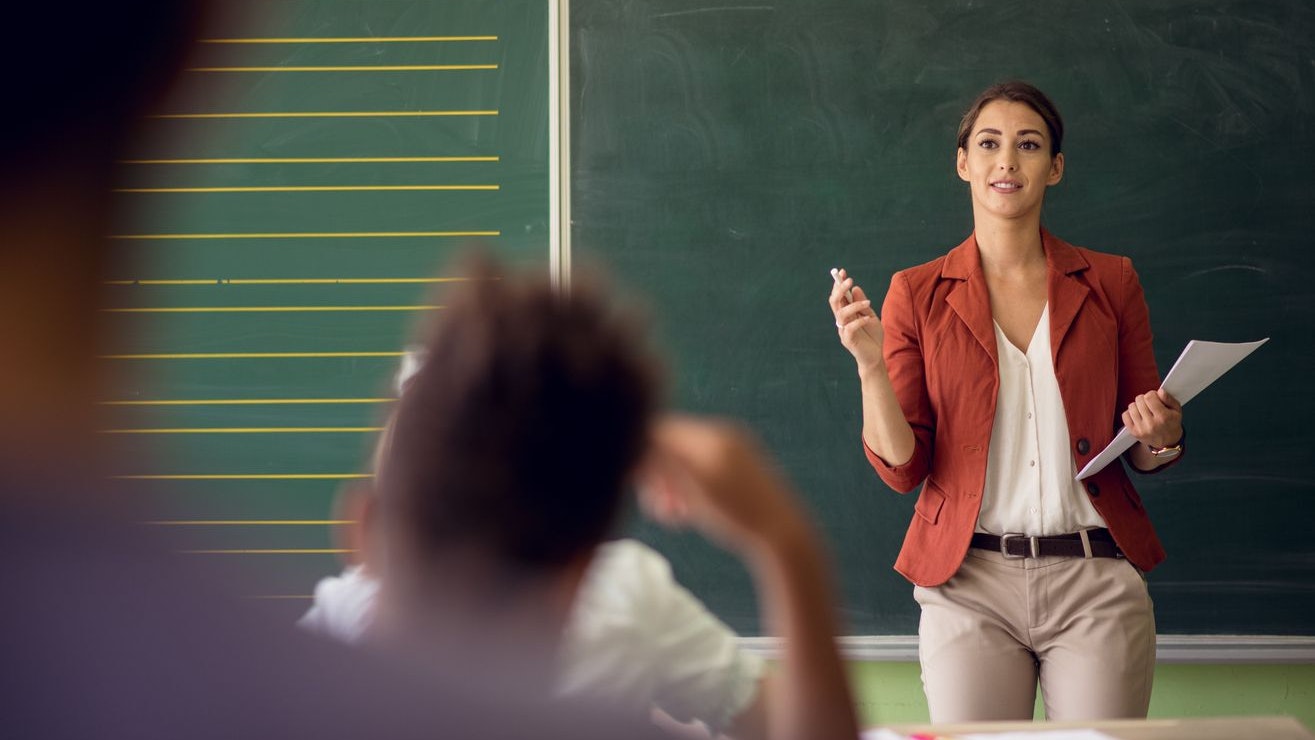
x=635 y=637
x=1030 y=476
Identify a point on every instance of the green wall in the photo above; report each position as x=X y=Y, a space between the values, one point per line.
x=890 y=693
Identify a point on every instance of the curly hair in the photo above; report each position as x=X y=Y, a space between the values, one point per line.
x=515 y=436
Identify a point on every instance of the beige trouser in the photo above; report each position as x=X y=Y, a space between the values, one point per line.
x=1084 y=628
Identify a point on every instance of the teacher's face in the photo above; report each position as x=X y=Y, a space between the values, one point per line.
x=1007 y=162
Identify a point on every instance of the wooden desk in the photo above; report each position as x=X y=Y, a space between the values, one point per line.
x=1210 y=728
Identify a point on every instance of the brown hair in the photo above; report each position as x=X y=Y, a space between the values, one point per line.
x=515 y=437
x=1016 y=91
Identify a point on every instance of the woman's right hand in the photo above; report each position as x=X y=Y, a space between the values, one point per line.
x=858 y=325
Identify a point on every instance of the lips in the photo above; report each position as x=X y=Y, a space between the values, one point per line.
x=1006 y=186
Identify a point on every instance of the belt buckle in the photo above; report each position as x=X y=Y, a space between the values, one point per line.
x=1033 y=547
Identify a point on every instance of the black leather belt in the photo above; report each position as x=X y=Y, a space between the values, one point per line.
x=1092 y=543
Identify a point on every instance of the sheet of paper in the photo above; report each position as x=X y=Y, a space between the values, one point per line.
x=1200 y=364
x=1039 y=734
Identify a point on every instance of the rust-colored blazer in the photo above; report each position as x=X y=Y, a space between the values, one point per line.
x=941 y=353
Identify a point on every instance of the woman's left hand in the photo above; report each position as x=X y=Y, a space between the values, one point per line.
x=1155 y=418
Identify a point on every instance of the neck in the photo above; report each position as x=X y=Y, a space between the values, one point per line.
x=1009 y=245
x=51 y=248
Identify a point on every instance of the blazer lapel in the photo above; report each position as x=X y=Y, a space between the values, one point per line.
x=970 y=299
x=1065 y=292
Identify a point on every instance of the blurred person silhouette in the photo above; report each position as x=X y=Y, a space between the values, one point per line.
x=502 y=471
x=105 y=632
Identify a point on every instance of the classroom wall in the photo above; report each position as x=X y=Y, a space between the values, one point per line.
x=889 y=692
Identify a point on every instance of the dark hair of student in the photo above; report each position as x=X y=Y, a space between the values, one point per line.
x=1016 y=91
x=85 y=75
x=515 y=438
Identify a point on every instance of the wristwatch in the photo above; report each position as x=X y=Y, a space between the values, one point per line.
x=1168 y=452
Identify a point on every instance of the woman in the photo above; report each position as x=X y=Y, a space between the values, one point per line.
x=994 y=373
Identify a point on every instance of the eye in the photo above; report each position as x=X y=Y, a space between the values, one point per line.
x=988 y=144
x=1029 y=145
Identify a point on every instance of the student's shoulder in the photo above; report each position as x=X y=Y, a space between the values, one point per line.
x=625 y=574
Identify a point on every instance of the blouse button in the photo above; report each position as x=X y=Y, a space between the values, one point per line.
x=1083 y=446
x=1093 y=489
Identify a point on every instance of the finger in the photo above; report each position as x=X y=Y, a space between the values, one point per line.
x=854 y=310
x=860 y=295
x=659 y=489
x=1153 y=412
x=851 y=329
x=1168 y=400
x=837 y=297
x=1132 y=419
x=1153 y=402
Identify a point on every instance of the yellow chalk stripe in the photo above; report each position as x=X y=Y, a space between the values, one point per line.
x=243 y=401
x=309 y=235
x=310 y=189
x=334 y=114
x=373 y=68
x=346 y=39
x=244 y=430
x=265 y=309
x=290 y=281
x=249 y=476
x=307 y=551
x=247 y=355
x=309 y=160
x=250 y=522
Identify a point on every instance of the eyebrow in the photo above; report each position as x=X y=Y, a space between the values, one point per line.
x=1020 y=132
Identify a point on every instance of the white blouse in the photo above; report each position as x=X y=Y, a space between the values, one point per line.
x=1030 y=485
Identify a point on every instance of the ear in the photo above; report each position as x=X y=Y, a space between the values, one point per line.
x=1056 y=169
x=961 y=164
x=355 y=507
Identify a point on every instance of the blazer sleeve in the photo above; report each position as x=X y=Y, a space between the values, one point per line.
x=904 y=362
x=1137 y=371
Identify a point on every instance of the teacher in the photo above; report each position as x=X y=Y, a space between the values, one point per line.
x=994 y=373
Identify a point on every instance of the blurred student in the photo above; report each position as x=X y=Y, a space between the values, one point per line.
x=502 y=472
x=634 y=635
x=105 y=632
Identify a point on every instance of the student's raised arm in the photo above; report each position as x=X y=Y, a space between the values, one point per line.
x=711 y=476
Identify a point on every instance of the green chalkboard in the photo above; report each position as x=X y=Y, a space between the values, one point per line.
x=725 y=156
x=287 y=218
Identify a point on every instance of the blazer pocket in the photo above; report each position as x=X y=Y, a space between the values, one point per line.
x=930 y=503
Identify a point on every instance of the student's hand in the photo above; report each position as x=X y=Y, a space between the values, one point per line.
x=1155 y=418
x=858 y=325
x=712 y=476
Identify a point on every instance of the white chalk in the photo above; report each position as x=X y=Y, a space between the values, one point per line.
x=835 y=275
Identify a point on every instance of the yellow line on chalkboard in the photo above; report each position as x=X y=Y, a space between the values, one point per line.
x=243 y=401
x=308 y=189
x=366 y=68
x=247 y=355
x=244 y=430
x=335 y=114
x=265 y=309
x=310 y=235
x=290 y=281
x=250 y=476
x=250 y=522
x=346 y=39
x=308 y=551
x=308 y=160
